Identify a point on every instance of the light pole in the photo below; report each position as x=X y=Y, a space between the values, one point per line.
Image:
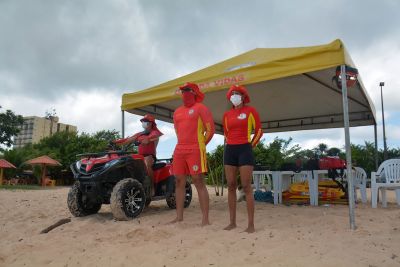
x=381 y=84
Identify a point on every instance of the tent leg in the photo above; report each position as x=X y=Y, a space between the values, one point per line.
x=1 y=176
x=348 y=149
x=123 y=124
x=376 y=147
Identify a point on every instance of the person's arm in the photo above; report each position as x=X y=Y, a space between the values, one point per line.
x=128 y=140
x=258 y=133
x=225 y=125
x=153 y=137
x=174 y=122
x=208 y=122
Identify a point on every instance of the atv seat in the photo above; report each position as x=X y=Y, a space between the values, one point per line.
x=158 y=165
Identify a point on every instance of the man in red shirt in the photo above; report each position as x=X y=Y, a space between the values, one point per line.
x=194 y=127
x=148 y=140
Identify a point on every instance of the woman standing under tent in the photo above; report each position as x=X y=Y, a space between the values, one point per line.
x=239 y=123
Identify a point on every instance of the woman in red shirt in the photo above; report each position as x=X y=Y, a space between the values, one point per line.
x=239 y=123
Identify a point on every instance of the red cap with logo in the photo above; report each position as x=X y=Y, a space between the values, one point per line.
x=241 y=89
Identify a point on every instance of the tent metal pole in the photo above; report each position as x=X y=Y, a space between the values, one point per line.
x=123 y=124
x=376 y=147
x=350 y=187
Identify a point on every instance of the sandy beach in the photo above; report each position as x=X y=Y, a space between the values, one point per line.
x=285 y=235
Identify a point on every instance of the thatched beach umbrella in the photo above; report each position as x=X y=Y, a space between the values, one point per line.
x=4 y=164
x=44 y=161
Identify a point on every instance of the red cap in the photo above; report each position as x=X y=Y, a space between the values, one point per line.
x=241 y=89
x=149 y=118
x=196 y=90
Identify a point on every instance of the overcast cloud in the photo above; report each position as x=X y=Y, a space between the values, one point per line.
x=80 y=56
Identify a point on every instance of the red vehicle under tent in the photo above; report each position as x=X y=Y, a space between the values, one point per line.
x=293 y=89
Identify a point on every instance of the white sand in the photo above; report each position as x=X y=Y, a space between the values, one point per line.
x=286 y=236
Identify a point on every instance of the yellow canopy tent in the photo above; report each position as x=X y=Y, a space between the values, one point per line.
x=292 y=89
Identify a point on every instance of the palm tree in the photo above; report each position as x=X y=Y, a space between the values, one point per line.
x=322 y=148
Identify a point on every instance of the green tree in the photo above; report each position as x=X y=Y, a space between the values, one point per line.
x=9 y=126
x=334 y=151
x=276 y=153
x=322 y=148
x=215 y=167
x=106 y=135
x=61 y=146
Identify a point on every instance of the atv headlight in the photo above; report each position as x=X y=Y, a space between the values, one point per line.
x=78 y=165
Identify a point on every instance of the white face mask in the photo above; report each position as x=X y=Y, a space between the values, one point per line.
x=236 y=100
x=145 y=124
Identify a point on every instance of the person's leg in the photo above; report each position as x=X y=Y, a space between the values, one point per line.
x=179 y=197
x=149 y=161
x=180 y=169
x=198 y=181
x=246 y=173
x=230 y=174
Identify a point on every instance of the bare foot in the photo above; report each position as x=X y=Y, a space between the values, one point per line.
x=250 y=230
x=230 y=227
x=175 y=221
x=205 y=223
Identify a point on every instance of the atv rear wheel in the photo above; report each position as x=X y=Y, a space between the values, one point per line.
x=78 y=204
x=171 y=200
x=127 y=199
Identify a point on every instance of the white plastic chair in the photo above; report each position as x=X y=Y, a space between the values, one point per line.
x=387 y=177
x=299 y=177
x=360 y=181
x=262 y=179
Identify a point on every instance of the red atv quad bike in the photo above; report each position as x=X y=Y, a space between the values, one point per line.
x=119 y=178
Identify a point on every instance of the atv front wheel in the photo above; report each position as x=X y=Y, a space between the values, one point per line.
x=78 y=204
x=171 y=200
x=127 y=199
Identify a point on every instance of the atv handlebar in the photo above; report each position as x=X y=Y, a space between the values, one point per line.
x=112 y=146
x=100 y=154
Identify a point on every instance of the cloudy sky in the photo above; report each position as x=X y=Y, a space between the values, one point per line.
x=79 y=57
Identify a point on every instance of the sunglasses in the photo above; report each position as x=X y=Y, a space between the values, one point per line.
x=187 y=89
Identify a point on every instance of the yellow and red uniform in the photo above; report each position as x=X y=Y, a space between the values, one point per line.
x=239 y=125
x=194 y=127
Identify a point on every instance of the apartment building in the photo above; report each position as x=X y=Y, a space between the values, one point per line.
x=36 y=128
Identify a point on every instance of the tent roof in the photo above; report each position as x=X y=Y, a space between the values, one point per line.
x=46 y=160
x=5 y=164
x=291 y=88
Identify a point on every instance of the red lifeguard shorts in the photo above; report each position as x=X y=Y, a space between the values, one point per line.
x=189 y=161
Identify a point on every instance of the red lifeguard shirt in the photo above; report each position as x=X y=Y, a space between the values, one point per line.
x=194 y=126
x=239 y=125
x=150 y=148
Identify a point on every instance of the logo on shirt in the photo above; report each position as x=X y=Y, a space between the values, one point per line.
x=242 y=116
x=195 y=168
x=191 y=111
